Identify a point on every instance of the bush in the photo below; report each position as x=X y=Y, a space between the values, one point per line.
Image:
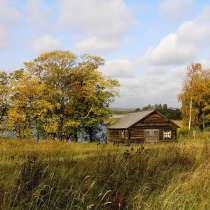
x=183 y=132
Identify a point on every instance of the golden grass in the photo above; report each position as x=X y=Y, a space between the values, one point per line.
x=53 y=175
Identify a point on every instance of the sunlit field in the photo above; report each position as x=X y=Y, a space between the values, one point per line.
x=58 y=175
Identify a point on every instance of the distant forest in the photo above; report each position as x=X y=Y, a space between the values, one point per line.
x=170 y=112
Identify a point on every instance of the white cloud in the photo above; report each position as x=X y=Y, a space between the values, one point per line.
x=184 y=45
x=9 y=16
x=170 y=52
x=3 y=36
x=38 y=15
x=175 y=9
x=94 y=44
x=46 y=43
x=142 y=84
x=102 y=21
x=8 y=13
x=121 y=68
x=39 y=18
x=150 y=88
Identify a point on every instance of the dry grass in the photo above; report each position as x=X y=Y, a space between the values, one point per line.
x=55 y=175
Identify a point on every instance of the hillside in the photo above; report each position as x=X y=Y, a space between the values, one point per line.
x=56 y=175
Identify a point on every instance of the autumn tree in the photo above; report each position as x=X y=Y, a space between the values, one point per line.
x=196 y=90
x=4 y=98
x=94 y=95
x=80 y=94
x=4 y=92
x=56 y=95
x=29 y=106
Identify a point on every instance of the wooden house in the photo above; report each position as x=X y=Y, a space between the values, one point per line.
x=143 y=127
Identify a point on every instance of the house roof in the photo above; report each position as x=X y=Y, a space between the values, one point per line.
x=130 y=119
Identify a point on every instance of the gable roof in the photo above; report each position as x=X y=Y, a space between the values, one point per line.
x=130 y=119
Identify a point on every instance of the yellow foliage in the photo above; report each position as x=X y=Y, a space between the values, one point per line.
x=196 y=88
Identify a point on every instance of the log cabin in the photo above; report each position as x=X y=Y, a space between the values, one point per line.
x=143 y=127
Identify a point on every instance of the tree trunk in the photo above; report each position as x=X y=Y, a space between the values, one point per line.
x=75 y=136
x=60 y=127
x=37 y=132
x=90 y=133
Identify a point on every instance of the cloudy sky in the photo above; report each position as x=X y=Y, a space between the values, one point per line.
x=147 y=44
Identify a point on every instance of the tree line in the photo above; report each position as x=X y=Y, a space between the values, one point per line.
x=56 y=95
x=169 y=112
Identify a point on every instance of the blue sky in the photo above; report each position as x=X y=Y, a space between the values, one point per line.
x=147 y=44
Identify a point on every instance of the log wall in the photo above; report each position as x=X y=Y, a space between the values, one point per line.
x=135 y=134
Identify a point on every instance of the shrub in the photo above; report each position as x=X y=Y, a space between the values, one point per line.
x=184 y=132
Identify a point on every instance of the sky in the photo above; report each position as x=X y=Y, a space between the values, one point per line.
x=147 y=44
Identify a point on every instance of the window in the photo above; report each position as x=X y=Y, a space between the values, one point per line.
x=167 y=134
x=151 y=135
x=122 y=134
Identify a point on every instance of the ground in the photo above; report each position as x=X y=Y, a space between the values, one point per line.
x=56 y=175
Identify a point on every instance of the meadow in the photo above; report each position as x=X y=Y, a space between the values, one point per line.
x=53 y=175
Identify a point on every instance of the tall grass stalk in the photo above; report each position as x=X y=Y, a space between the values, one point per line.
x=56 y=175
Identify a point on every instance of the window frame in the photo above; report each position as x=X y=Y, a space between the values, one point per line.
x=122 y=134
x=167 y=134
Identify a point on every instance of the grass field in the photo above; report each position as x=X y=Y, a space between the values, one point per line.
x=55 y=175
